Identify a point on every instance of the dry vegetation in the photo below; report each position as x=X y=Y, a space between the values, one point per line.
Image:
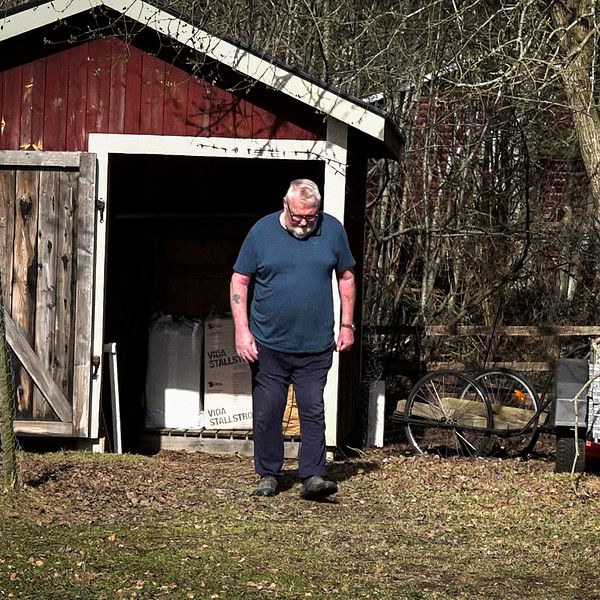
x=179 y=525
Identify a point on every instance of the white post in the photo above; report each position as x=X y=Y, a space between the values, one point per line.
x=376 y=415
x=334 y=204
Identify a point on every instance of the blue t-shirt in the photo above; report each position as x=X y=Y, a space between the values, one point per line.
x=292 y=306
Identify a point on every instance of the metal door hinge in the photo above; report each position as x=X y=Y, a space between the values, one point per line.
x=95 y=366
x=100 y=206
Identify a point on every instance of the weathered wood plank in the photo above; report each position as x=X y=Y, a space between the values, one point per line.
x=16 y=158
x=118 y=83
x=176 y=97
x=24 y=273
x=76 y=138
x=153 y=94
x=11 y=107
x=63 y=357
x=56 y=428
x=36 y=369
x=26 y=93
x=198 y=107
x=472 y=413
x=505 y=417
x=133 y=91
x=84 y=253
x=221 y=118
x=98 y=86
x=7 y=231
x=45 y=303
x=55 y=124
x=525 y=331
x=38 y=104
x=523 y=366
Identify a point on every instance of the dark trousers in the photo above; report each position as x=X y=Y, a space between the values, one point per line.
x=272 y=374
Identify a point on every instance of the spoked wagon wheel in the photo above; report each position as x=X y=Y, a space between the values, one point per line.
x=447 y=413
x=514 y=404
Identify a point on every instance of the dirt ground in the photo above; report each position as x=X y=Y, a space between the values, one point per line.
x=186 y=525
x=80 y=488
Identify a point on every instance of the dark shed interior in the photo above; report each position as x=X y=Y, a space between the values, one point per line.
x=175 y=226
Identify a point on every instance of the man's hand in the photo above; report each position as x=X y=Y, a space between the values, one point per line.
x=245 y=345
x=345 y=339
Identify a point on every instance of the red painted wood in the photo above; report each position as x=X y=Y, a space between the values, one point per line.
x=221 y=113
x=106 y=86
x=11 y=108
x=242 y=118
x=55 y=107
x=176 y=97
x=153 y=95
x=118 y=86
x=198 y=108
x=76 y=137
x=38 y=104
x=27 y=86
x=98 y=86
x=261 y=122
x=133 y=91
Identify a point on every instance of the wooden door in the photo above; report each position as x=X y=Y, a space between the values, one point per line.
x=47 y=234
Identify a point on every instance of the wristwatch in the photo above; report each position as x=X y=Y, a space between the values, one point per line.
x=349 y=326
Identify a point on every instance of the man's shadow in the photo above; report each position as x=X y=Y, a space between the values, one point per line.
x=338 y=471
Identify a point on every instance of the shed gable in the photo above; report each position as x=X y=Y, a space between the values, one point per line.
x=108 y=85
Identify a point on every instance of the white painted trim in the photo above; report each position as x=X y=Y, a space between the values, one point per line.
x=333 y=152
x=42 y=15
x=240 y=60
x=210 y=146
x=334 y=195
x=99 y=287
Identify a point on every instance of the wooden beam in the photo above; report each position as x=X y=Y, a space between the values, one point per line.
x=55 y=428
x=32 y=364
x=84 y=293
x=25 y=158
x=525 y=331
x=514 y=365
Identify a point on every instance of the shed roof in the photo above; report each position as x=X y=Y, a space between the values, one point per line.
x=356 y=113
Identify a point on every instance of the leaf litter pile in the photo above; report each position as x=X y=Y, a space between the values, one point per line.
x=185 y=525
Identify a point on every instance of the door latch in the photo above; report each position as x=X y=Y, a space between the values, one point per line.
x=95 y=366
x=100 y=206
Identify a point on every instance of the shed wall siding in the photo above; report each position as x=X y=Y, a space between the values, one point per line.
x=107 y=86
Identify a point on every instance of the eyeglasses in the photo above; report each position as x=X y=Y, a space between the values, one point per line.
x=300 y=218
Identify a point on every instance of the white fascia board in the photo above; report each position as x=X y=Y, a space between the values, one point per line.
x=254 y=67
x=42 y=15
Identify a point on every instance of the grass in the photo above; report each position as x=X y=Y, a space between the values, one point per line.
x=185 y=526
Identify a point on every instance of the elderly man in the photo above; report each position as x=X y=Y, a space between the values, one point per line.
x=290 y=256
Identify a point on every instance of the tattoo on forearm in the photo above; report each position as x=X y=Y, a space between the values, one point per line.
x=236 y=298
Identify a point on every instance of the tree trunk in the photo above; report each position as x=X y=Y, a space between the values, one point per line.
x=577 y=42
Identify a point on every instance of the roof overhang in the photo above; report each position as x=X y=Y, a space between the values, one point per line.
x=369 y=120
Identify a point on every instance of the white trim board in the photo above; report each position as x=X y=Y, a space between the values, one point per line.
x=240 y=60
x=332 y=152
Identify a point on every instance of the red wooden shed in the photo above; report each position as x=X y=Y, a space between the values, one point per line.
x=136 y=150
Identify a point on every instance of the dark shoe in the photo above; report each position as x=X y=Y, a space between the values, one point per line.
x=267 y=486
x=317 y=487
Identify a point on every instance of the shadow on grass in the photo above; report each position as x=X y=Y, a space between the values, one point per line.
x=337 y=472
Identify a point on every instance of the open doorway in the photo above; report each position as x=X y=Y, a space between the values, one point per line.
x=175 y=227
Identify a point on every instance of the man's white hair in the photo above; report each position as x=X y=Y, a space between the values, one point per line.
x=306 y=189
